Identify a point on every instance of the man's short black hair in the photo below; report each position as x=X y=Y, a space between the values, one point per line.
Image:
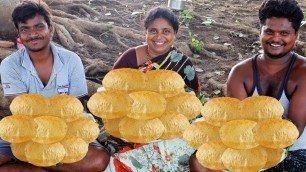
x=162 y=12
x=29 y=9
x=281 y=8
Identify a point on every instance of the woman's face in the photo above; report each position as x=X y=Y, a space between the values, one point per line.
x=159 y=36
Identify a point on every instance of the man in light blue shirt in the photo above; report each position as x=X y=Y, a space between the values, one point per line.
x=18 y=74
x=43 y=68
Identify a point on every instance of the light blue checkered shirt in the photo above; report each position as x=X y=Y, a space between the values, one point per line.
x=19 y=76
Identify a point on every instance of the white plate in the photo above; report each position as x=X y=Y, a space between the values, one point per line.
x=154 y=141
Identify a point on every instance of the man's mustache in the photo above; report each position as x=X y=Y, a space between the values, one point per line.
x=34 y=39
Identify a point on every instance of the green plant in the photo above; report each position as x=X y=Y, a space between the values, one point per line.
x=208 y=21
x=196 y=45
x=237 y=21
x=186 y=17
x=304 y=21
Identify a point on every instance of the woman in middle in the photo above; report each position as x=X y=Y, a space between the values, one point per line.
x=161 y=26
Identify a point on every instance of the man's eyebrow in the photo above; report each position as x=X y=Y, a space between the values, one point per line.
x=26 y=26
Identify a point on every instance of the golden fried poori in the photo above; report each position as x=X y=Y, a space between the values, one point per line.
x=261 y=107
x=75 y=148
x=124 y=79
x=110 y=104
x=29 y=104
x=174 y=123
x=276 y=133
x=44 y=155
x=238 y=134
x=112 y=126
x=84 y=128
x=141 y=131
x=274 y=156
x=18 y=150
x=17 y=128
x=186 y=104
x=200 y=132
x=49 y=129
x=218 y=111
x=244 y=159
x=146 y=105
x=66 y=107
x=166 y=82
x=209 y=155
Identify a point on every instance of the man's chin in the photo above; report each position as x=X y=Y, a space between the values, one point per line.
x=276 y=56
x=36 y=49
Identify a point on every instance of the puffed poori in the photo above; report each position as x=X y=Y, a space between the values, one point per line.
x=17 y=128
x=218 y=111
x=186 y=104
x=209 y=155
x=166 y=82
x=110 y=104
x=275 y=133
x=66 y=107
x=200 y=132
x=146 y=105
x=30 y=105
x=141 y=131
x=174 y=123
x=124 y=79
x=238 y=134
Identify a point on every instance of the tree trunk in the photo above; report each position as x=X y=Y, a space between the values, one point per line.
x=7 y=29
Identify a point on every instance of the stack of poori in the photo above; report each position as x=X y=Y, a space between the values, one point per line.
x=246 y=135
x=45 y=132
x=143 y=107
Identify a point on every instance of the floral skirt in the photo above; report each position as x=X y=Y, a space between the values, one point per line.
x=166 y=155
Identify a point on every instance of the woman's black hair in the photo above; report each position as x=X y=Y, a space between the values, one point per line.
x=162 y=12
x=281 y=8
x=28 y=9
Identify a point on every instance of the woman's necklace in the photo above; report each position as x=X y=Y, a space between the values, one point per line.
x=146 y=66
x=148 y=53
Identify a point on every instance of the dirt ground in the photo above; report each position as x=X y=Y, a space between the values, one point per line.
x=100 y=30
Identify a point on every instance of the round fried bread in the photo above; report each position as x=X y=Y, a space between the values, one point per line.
x=124 y=79
x=66 y=107
x=238 y=134
x=274 y=156
x=218 y=111
x=44 y=155
x=17 y=128
x=110 y=104
x=244 y=159
x=18 y=150
x=200 y=132
x=30 y=105
x=275 y=133
x=209 y=155
x=186 y=104
x=146 y=105
x=261 y=107
x=49 y=129
x=175 y=124
x=166 y=82
x=75 y=148
x=84 y=128
x=141 y=131
x=112 y=126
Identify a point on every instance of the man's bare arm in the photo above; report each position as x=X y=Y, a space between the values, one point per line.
x=297 y=108
x=235 y=84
